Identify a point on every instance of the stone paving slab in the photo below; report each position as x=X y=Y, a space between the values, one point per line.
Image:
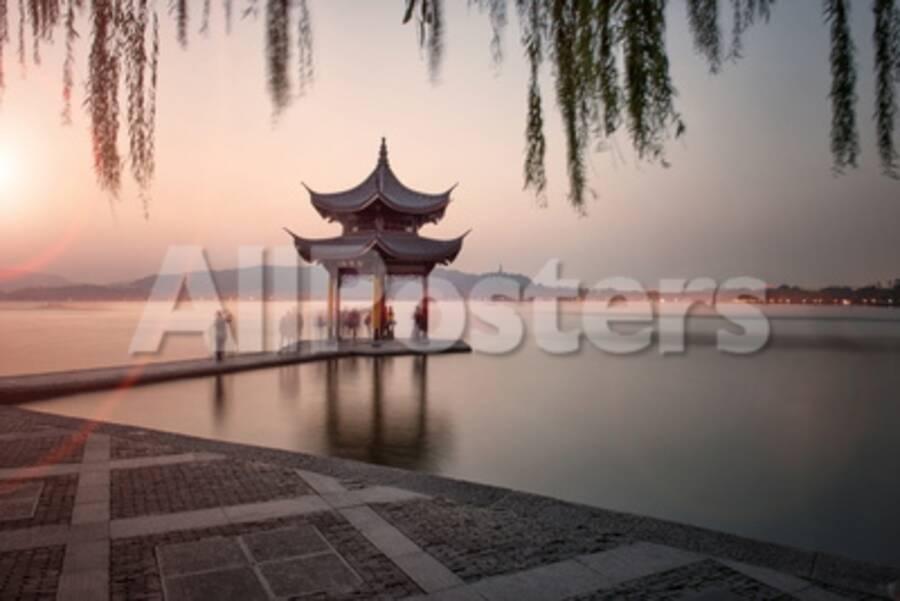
x=52 y=502
x=365 y=496
x=320 y=483
x=87 y=585
x=160 y=460
x=122 y=448
x=188 y=520
x=380 y=533
x=88 y=513
x=426 y=571
x=91 y=493
x=270 y=545
x=135 y=572
x=553 y=582
x=854 y=575
x=87 y=556
x=83 y=533
x=775 y=579
x=38 y=471
x=636 y=560
x=203 y=555
x=85 y=574
x=266 y=510
x=31 y=452
x=728 y=546
x=233 y=584
x=463 y=593
x=325 y=573
x=42 y=470
x=477 y=543
x=817 y=594
x=32 y=538
x=217 y=516
x=18 y=500
x=707 y=578
x=163 y=488
x=37 y=433
x=31 y=574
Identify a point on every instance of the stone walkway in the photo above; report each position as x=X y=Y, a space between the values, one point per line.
x=31 y=387
x=99 y=511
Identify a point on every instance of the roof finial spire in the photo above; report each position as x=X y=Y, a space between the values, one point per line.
x=382 y=152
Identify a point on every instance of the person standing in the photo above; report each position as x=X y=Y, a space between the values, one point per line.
x=321 y=325
x=353 y=320
x=390 y=323
x=291 y=328
x=221 y=334
x=418 y=320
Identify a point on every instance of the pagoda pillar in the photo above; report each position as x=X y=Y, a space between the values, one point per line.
x=378 y=312
x=425 y=306
x=337 y=305
x=329 y=310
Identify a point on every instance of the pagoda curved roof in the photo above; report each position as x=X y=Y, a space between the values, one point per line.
x=397 y=245
x=380 y=185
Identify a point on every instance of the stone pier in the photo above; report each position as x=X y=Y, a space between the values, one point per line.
x=32 y=387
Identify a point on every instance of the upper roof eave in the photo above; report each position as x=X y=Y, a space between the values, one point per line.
x=322 y=204
x=382 y=184
x=352 y=246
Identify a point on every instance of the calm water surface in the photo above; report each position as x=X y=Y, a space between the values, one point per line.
x=799 y=443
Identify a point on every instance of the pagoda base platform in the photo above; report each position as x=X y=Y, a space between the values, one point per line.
x=32 y=387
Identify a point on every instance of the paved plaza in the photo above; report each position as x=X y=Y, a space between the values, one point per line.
x=94 y=511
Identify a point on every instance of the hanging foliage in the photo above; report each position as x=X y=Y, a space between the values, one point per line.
x=844 y=135
x=69 y=64
x=4 y=38
x=278 y=45
x=124 y=56
x=608 y=62
x=886 y=39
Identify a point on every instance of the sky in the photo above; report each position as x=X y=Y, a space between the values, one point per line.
x=750 y=190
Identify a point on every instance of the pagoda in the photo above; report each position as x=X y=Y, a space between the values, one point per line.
x=381 y=218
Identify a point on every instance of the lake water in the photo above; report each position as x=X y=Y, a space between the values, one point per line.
x=798 y=443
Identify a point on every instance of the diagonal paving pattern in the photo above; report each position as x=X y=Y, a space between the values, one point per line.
x=85 y=571
x=276 y=562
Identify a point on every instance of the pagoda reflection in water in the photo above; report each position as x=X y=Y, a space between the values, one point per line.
x=372 y=409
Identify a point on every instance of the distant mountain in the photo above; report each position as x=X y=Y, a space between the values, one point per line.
x=16 y=279
x=312 y=283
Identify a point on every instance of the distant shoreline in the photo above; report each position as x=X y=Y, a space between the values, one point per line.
x=259 y=283
x=696 y=310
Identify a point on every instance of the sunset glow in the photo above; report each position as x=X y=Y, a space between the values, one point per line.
x=554 y=298
x=7 y=177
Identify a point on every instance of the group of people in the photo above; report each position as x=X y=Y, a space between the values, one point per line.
x=420 y=321
x=350 y=321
